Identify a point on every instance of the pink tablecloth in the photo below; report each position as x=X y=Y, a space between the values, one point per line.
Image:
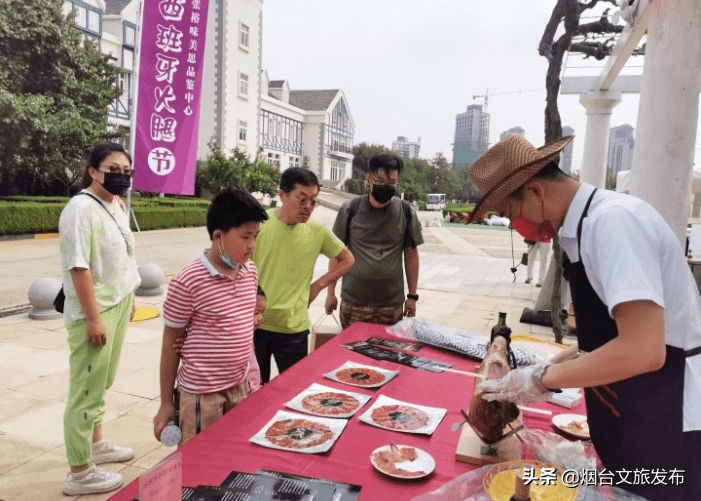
x=225 y=446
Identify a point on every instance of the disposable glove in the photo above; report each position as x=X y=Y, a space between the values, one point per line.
x=518 y=385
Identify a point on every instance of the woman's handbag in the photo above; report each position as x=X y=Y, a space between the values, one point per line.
x=60 y=299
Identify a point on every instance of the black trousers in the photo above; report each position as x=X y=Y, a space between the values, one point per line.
x=288 y=349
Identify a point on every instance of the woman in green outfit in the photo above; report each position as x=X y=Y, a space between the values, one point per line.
x=99 y=279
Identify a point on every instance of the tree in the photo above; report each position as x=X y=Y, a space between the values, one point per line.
x=594 y=40
x=219 y=172
x=363 y=152
x=610 y=179
x=55 y=89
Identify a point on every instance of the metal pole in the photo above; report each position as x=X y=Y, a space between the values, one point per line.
x=135 y=90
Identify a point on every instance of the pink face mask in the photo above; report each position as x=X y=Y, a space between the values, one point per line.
x=543 y=232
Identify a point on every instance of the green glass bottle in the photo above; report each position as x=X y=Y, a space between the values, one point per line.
x=501 y=325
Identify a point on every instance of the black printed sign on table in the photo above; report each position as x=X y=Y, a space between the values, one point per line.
x=321 y=488
x=378 y=353
x=265 y=485
x=402 y=345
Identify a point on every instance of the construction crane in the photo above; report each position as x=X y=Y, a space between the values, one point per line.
x=487 y=94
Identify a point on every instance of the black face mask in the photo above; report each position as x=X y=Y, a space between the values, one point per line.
x=117 y=184
x=382 y=193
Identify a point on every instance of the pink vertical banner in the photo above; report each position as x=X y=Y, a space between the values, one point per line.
x=168 y=100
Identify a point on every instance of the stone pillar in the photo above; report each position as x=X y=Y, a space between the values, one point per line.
x=599 y=106
x=668 y=112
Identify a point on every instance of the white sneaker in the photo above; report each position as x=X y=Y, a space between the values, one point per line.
x=107 y=451
x=95 y=481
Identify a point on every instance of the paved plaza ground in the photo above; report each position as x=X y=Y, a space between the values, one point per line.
x=464 y=282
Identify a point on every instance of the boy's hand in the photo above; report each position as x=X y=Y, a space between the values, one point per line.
x=178 y=345
x=165 y=414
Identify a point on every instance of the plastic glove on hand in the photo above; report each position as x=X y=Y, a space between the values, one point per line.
x=518 y=385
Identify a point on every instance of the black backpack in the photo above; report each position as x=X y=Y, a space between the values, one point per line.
x=355 y=205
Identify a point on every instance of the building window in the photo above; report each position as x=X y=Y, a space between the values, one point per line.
x=274 y=160
x=338 y=170
x=128 y=58
x=129 y=34
x=243 y=85
x=339 y=134
x=243 y=36
x=87 y=18
x=294 y=161
x=280 y=133
x=242 y=130
x=121 y=107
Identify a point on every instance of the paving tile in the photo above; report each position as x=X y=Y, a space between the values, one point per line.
x=141 y=383
x=146 y=410
x=152 y=458
x=17 y=450
x=130 y=431
x=12 y=320
x=34 y=335
x=51 y=386
x=120 y=404
x=136 y=335
x=33 y=418
x=33 y=360
x=10 y=378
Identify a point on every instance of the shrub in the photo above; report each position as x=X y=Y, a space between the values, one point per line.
x=41 y=214
x=29 y=217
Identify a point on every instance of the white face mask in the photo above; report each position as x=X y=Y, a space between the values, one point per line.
x=226 y=259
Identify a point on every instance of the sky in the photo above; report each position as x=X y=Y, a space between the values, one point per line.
x=408 y=67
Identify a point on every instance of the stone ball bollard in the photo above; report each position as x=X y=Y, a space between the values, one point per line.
x=152 y=278
x=41 y=295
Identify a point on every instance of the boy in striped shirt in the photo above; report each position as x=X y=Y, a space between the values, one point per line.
x=213 y=299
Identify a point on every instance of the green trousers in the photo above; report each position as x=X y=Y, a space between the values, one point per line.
x=92 y=371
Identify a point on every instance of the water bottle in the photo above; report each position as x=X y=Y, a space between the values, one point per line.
x=171 y=435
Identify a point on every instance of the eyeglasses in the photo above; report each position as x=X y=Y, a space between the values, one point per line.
x=384 y=182
x=303 y=201
x=116 y=170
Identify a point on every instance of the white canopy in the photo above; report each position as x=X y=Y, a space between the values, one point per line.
x=623 y=182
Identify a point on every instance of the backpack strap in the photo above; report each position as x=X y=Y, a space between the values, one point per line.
x=353 y=209
x=355 y=205
x=407 y=217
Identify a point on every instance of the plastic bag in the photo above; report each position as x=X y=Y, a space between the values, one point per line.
x=552 y=448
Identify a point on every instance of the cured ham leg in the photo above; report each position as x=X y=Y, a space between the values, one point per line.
x=488 y=419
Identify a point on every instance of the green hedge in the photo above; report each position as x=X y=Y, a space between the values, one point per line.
x=28 y=215
x=153 y=218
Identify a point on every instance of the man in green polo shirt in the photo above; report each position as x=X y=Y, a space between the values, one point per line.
x=381 y=231
x=286 y=252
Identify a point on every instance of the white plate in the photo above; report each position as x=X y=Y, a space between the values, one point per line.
x=435 y=415
x=349 y=366
x=562 y=422
x=424 y=463
x=315 y=388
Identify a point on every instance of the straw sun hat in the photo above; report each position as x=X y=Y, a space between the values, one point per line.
x=507 y=166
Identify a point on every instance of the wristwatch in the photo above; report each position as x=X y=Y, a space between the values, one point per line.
x=538 y=380
x=415 y=297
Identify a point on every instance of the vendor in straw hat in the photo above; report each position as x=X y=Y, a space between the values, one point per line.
x=638 y=316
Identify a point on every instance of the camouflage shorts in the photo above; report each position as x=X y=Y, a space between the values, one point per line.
x=382 y=315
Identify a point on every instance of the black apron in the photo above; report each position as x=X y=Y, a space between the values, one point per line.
x=635 y=423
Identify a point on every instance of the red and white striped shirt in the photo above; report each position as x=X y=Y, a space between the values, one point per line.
x=218 y=313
